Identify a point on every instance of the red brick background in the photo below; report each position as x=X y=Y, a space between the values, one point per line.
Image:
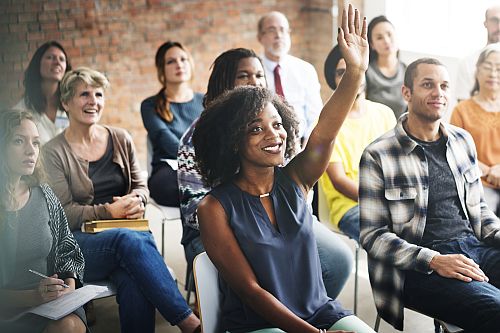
x=120 y=38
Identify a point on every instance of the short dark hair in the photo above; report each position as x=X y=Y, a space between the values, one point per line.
x=376 y=20
x=224 y=70
x=411 y=70
x=33 y=95
x=222 y=128
x=332 y=61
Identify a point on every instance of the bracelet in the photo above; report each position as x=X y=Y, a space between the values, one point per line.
x=322 y=331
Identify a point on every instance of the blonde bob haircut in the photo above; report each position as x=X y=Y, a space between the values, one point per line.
x=85 y=75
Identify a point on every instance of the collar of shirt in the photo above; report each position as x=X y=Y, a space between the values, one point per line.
x=406 y=142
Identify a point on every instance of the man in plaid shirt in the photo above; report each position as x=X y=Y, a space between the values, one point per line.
x=432 y=242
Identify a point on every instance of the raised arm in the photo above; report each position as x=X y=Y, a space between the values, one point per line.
x=224 y=251
x=308 y=166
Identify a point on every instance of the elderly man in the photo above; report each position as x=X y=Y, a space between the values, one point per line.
x=292 y=78
x=467 y=67
x=433 y=244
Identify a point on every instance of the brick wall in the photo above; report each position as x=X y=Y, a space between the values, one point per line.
x=120 y=38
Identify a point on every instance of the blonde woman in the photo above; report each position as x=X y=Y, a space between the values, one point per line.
x=95 y=173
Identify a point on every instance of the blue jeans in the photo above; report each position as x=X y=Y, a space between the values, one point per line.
x=131 y=260
x=335 y=256
x=349 y=223
x=474 y=306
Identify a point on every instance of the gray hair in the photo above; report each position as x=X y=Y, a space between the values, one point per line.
x=85 y=75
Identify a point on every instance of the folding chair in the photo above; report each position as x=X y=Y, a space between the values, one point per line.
x=207 y=292
x=439 y=326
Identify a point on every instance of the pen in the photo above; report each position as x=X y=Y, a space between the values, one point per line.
x=45 y=276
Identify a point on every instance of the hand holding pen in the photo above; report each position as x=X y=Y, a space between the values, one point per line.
x=50 y=287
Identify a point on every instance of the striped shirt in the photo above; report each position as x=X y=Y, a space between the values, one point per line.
x=393 y=201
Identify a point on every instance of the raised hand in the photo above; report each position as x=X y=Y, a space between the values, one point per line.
x=352 y=39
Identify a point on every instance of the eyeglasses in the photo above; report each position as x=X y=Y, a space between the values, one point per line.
x=489 y=69
x=340 y=72
x=274 y=30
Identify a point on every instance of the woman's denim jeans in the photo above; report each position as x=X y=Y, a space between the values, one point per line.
x=131 y=260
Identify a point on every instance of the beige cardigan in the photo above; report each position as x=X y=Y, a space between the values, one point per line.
x=68 y=176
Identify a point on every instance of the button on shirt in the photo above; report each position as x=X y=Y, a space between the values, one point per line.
x=393 y=201
x=301 y=89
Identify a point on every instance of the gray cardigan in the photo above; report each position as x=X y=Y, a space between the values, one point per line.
x=68 y=176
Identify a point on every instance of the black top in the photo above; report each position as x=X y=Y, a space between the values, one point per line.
x=445 y=217
x=107 y=177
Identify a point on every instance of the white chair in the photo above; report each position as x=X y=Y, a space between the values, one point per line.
x=324 y=217
x=169 y=214
x=207 y=291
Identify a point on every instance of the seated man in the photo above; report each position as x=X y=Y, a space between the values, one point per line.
x=365 y=122
x=432 y=242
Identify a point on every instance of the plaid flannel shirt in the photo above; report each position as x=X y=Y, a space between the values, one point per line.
x=393 y=198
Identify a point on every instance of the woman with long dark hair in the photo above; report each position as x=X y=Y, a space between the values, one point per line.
x=41 y=95
x=385 y=73
x=166 y=117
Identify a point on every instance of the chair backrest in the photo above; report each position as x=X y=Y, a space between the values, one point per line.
x=207 y=292
x=149 y=155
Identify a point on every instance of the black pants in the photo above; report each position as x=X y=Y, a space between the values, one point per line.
x=163 y=185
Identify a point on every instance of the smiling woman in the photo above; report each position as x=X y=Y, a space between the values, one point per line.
x=41 y=83
x=255 y=223
x=94 y=172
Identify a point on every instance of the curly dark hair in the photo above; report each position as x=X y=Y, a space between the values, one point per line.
x=33 y=95
x=222 y=126
x=224 y=70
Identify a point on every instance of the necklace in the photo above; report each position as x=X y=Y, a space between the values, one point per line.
x=264 y=195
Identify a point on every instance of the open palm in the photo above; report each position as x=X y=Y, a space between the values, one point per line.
x=352 y=39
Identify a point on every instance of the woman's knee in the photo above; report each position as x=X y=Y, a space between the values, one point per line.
x=352 y=323
x=71 y=323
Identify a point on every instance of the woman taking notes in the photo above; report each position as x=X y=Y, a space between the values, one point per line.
x=255 y=224
x=34 y=234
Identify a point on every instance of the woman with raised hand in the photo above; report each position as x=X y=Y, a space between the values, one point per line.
x=167 y=115
x=480 y=116
x=94 y=171
x=385 y=73
x=234 y=68
x=34 y=234
x=255 y=223
x=41 y=95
